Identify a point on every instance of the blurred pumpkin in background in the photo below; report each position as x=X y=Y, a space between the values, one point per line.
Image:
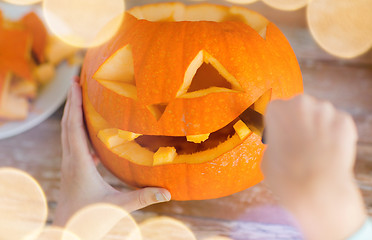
x=162 y=99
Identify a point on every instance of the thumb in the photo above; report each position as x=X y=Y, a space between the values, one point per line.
x=132 y=201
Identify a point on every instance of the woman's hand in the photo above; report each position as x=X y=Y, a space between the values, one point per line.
x=309 y=166
x=81 y=184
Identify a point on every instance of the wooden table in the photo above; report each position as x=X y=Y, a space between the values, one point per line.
x=253 y=213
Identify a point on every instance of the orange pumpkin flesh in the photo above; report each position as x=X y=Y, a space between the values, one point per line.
x=13 y=61
x=37 y=30
x=181 y=86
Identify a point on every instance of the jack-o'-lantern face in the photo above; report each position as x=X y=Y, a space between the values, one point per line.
x=162 y=99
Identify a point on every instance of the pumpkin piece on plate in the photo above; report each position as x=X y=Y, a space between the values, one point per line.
x=15 y=59
x=4 y=85
x=23 y=88
x=56 y=50
x=44 y=73
x=12 y=107
x=37 y=30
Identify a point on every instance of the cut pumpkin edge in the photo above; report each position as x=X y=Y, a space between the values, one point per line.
x=180 y=12
x=137 y=154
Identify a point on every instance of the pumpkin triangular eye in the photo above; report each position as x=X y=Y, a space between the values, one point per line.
x=117 y=73
x=206 y=75
x=157 y=110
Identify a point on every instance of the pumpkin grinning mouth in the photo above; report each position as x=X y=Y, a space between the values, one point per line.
x=187 y=145
x=184 y=146
x=159 y=150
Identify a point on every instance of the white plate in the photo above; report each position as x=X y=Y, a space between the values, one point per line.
x=51 y=96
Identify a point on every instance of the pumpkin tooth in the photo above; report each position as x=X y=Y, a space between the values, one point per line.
x=261 y=103
x=128 y=136
x=157 y=110
x=241 y=129
x=110 y=137
x=197 y=138
x=195 y=65
x=262 y=33
x=164 y=155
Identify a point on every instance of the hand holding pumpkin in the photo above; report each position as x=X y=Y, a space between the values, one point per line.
x=81 y=184
x=309 y=165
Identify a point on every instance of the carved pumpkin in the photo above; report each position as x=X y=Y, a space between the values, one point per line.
x=162 y=99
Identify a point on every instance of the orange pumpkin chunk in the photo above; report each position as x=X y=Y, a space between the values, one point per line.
x=241 y=129
x=164 y=155
x=261 y=104
x=11 y=106
x=39 y=34
x=128 y=136
x=14 y=59
x=198 y=138
x=23 y=88
x=110 y=137
x=44 y=73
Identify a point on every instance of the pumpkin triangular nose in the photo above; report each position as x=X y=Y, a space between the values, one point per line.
x=206 y=75
x=157 y=110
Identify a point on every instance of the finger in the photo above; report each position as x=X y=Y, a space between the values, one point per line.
x=138 y=199
x=66 y=109
x=95 y=158
x=76 y=119
x=349 y=124
x=77 y=80
x=75 y=126
x=65 y=146
x=265 y=163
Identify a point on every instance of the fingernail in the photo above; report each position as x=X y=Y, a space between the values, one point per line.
x=162 y=197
